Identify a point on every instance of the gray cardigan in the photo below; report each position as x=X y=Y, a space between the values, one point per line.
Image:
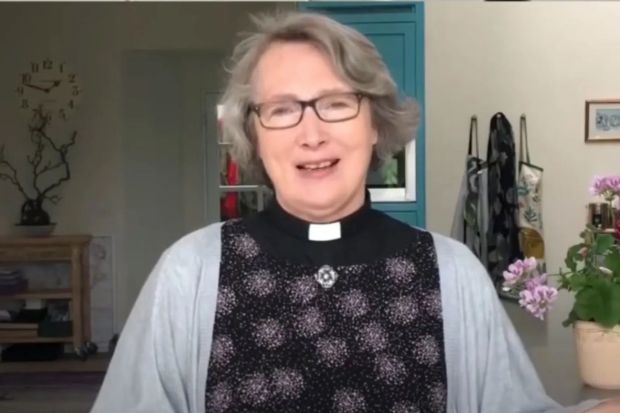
x=162 y=357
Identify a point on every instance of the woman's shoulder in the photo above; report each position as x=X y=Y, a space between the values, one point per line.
x=187 y=259
x=451 y=249
x=459 y=267
x=199 y=243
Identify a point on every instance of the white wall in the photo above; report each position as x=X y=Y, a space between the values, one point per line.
x=95 y=40
x=541 y=59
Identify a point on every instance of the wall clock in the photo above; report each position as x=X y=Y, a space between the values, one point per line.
x=49 y=85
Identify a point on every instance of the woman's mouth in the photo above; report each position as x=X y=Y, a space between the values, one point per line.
x=318 y=165
x=318 y=169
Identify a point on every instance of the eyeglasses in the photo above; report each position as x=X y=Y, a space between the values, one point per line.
x=336 y=107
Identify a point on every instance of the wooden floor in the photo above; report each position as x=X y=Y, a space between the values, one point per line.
x=69 y=363
x=46 y=400
x=32 y=394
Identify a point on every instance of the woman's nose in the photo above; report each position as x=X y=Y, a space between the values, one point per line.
x=310 y=130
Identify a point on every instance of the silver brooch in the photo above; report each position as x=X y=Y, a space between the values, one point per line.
x=326 y=276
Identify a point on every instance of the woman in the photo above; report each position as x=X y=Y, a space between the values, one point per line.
x=318 y=303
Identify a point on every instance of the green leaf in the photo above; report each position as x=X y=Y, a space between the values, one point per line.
x=578 y=281
x=599 y=302
x=586 y=303
x=612 y=261
x=390 y=172
x=573 y=256
x=603 y=242
x=563 y=282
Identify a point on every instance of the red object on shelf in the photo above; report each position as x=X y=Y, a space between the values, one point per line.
x=229 y=204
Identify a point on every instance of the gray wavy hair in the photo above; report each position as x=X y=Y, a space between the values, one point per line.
x=354 y=58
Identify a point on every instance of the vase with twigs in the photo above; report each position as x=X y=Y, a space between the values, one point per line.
x=49 y=168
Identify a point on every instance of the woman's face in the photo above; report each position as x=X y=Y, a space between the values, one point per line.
x=318 y=168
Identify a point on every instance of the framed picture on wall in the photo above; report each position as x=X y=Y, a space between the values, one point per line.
x=603 y=120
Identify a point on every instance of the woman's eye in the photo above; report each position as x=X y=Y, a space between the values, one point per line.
x=281 y=110
x=339 y=103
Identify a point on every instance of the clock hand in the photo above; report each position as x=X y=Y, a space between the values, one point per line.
x=55 y=84
x=43 y=89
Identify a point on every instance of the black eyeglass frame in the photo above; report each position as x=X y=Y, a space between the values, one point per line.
x=256 y=107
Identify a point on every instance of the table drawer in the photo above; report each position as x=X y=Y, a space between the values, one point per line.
x=55 y=253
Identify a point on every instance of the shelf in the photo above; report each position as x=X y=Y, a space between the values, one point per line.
x=53 y=240
x=56 y=294
x=10 y=326
x=73 y=250
x=239 y=188
x=18 y=340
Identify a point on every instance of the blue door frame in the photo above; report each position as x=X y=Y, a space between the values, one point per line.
x=382 y=19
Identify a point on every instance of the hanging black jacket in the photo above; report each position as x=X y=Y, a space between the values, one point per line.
x=503 y=232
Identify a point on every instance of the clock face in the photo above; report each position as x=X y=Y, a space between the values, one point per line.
x=51 y=86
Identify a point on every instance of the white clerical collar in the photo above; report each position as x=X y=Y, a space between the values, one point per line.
x=324 y=232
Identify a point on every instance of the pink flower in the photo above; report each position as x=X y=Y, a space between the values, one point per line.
x=530 y=264
x=613 y=182
x=520 y=271
x=516 y=268
x=510 y=278
x=535 y=281
x=538 y=300
x=606 y=186
x=597 y=182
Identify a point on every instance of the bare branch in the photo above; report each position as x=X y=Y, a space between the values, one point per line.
x=49 y=167
x=38 y=136
x=12 y=177
x=40 y=120
x=62 y=152
x=38 y=124
x=38 y=127
x=37 y=158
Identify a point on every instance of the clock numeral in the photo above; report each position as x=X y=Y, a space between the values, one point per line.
x=47 y=64
x=34 y=68
x=26 y=78
x=25 y=104
x=71 y=104
x=72 y=78
x=20 y=91
x=61 y=68
x=62 y=114
x=76 y=91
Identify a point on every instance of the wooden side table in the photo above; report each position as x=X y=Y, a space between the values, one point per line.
x=69 y=248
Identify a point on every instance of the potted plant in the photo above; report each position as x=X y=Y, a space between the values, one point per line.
x=593 y=278
x=50 y=169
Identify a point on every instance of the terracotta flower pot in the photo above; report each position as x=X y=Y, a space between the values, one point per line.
x=598 y=354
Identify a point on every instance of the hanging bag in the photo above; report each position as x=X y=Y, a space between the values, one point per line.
x=471 y=216
x=529 y=190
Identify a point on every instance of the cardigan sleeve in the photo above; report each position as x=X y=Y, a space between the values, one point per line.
x=489 y=370
x=149 y=370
